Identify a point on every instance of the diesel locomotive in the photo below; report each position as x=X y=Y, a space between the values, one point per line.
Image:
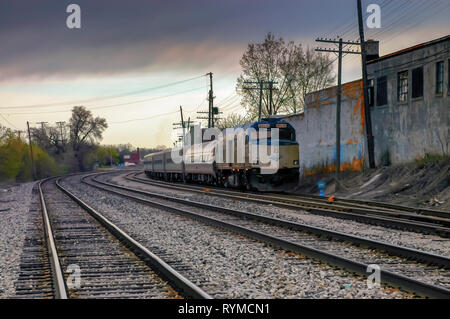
x=200 y=163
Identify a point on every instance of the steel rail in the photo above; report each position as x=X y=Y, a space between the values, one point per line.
x=185 y=285
x=415 y=254
x=364 y=204
x=369 y=217
x=59 y=285
x=389 y=206
x=387 y=277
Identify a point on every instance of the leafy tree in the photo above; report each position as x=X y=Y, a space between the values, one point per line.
x=15 y=160
x=11 y=157
x=297 y=72
x=84 y=128
x=104 y=154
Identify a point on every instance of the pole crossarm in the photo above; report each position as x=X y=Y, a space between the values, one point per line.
x=336 y=41
x=336 y=51
x=261 y=88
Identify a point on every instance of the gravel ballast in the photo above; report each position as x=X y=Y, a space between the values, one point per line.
x=224 y=264
x=14 y=207
x=425 y=242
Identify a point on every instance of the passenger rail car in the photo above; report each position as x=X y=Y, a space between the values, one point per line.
x=199 y=163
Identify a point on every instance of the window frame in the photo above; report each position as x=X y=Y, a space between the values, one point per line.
x=414 y=83
x=382 y=80
x=402 y=86
x=448 y=76
x=439 y=83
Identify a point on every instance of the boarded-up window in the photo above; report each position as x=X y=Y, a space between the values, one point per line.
x=402 y=86
x=439 y=77
x=417 y=82
x=382 y=90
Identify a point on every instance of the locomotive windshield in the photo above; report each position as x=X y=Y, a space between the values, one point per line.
x=287 y=134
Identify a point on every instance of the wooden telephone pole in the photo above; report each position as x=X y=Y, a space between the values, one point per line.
x=33 y=171
x=340 y=51
x=261 y=88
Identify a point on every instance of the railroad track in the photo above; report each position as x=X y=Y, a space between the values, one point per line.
x=110 y=263
x=382 y=214
x=417 y=271
x=35 y=275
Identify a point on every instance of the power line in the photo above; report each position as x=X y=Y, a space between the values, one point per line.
x=147 y=118
x=113 y=105
x=417 y=10
x=101 y=98
x=6 y=120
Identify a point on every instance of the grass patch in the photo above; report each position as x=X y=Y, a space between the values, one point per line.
x=431 y=158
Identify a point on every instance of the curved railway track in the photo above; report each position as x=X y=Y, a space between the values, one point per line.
x=111 y=263
x=387 y=215
x=420 y=272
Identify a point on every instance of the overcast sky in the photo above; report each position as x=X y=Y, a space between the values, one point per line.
x=128 y=46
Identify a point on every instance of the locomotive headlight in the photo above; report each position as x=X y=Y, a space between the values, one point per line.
x=295 y=162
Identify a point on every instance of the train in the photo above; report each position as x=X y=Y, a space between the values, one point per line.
x=200 y=164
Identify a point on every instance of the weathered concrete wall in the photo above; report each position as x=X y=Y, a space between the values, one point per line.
x=316 y=130
x=408 y=130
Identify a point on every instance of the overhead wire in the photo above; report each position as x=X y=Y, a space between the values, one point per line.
x=103 y=97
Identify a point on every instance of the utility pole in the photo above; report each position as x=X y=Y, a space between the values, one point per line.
x=261 y=85
x=370 y=139
x=340 y=51
x=42 y=126
x=270 y=97
x=33 y=172
x=182 y=125
x=211 y=102
x=293 y=96
x=211 y=109
x=189 y=124
x=18 y=132
x=261 y=88
x=338 y=114
x=60 y=124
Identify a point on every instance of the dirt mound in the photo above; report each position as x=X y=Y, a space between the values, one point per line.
x=422 y=184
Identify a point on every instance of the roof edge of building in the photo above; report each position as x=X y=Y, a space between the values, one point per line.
x=412 y=48
x=334 y=86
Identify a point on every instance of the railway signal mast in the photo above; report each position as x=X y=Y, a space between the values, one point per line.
x=212 y=111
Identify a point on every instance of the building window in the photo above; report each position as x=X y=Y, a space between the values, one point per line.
x=417 y=82
x=370 y=92
x=402 y=86
x=382 y=91
x=439 y=77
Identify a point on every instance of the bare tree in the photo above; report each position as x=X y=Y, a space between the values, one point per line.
x=232 y=120
x=296 y=72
